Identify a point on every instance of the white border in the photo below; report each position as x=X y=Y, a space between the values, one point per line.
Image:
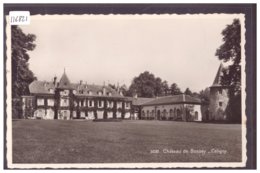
x=127 y=165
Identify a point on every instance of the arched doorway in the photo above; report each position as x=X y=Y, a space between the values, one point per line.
x=152 y=114
x=171 y=114
x=178 y=111
x=147 y=115
x=196 y=115
x=164 y=117
x=143 y=115
x=158 y=115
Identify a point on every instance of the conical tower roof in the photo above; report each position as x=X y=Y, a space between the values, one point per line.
x=64 y=81
x=217 y=80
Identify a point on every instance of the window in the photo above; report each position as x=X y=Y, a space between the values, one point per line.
x=100 y=103
x=220 y=104
x=90 y=103
x=64 y=102
x=40 y=102
x=110 y=104
x=119 y=104
x=64 y=93
x=28 y=102
x=220 y=91
x=50 y=102
x=81 y=102
x=127 y=104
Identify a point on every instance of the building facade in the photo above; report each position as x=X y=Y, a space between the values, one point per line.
x=218 y=98
x=178 y=107
x=66 y=100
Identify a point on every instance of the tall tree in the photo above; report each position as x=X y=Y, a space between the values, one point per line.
x=174 y=89
x=188 y=92
x=22 y=76
x=230 y=51
x=165 y=88
x=146 y=85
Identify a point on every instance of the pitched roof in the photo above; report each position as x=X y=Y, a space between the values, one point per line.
x=139 y=100
x=217 y=80
x=175 y=99
x=43 y=87
x=93 y=90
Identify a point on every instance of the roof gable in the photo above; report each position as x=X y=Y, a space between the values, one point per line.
x=64 y=81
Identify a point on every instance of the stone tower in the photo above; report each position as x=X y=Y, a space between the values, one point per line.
x=218 y=98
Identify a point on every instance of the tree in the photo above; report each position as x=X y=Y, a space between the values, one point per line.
x=146 y=85
x=22 y=76
x=204 y=95
x=165 y=88
x=174 y=89
x=230 y=51
x=188 y=92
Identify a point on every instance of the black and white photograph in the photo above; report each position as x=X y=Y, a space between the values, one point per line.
x=126 y=90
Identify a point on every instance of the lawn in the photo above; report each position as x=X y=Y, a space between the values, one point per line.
x=61 y=141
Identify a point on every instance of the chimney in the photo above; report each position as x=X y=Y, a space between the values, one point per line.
x=135 y=95
x=117 y=88
x=80 y=82
x=54 y=80
x=104 y=90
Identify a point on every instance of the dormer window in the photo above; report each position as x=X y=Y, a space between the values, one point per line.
x=81 y=91
x=74 y=92
x=51 y=90
x=99 y=93
x=109 y=94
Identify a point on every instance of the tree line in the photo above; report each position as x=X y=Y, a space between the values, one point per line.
x=148 y=85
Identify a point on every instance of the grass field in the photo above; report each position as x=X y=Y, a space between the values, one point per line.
x=57 y=141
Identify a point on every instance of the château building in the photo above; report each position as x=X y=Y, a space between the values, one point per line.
x=66 y=100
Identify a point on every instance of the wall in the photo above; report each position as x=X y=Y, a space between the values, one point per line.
x=217 y=112
x=173 y=112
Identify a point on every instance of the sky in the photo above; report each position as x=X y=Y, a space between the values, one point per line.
x=116 y=48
